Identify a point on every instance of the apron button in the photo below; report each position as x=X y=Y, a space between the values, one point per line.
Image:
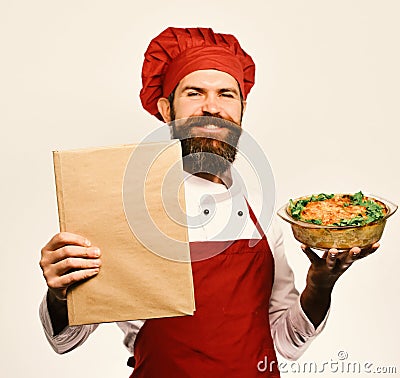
x=240 y=213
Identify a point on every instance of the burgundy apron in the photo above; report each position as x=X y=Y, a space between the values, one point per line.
x=229 y=335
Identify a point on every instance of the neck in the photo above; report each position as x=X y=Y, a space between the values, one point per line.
x=224 y=179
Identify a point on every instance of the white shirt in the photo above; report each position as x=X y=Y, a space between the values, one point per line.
x=291 y=330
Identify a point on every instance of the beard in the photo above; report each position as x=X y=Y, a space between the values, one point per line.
x=206 y=152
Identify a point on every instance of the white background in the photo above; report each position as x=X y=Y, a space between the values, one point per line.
x=325 y=108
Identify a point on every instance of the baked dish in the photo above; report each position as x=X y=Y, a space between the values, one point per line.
x=339 y=221
x=338 y=209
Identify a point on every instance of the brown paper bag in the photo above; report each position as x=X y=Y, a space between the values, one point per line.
x=129 y=201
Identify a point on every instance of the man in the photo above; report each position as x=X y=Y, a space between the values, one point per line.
x=246 y=303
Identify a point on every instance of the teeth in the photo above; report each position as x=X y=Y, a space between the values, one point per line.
x=211 y=127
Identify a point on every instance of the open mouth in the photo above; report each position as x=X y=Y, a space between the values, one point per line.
x=209 y=123
x=205 y=127
x=209 y=127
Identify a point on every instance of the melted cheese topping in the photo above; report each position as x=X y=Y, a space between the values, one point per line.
x=332 y=210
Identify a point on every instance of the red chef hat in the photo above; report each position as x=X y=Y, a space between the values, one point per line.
x=177 y=52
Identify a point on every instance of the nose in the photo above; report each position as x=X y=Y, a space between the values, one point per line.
x=210 y=105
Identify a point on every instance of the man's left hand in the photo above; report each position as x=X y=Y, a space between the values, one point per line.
x=322 y=275
x=324 y=271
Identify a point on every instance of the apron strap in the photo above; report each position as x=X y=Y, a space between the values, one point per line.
x=255 y=221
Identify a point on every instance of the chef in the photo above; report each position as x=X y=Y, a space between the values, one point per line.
x=247 y=307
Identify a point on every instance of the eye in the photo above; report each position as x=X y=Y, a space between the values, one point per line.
x=227 y=94
x=193 y=94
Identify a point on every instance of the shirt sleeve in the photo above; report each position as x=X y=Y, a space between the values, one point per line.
x=69 y=338
x=291 y=329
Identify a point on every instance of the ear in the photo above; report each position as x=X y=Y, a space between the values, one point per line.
x=244 y=104
x=164 y=108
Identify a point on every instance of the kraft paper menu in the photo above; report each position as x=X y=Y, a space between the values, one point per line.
x=103 y=196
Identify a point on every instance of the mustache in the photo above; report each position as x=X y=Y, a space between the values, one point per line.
x=200 y=121
x=182 y=128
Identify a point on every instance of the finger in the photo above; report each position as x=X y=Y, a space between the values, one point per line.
x=325 y=255
x=50 y=258
x=71 y=278
x=73 y=263
x=65 y=238
x=374 y=247
x=331 y=258
x=312 y=256
x=371 y=249
x=75 y=251
x=352 y=255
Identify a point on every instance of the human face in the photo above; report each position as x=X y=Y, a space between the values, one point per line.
x=209 y=93
x=206 y=109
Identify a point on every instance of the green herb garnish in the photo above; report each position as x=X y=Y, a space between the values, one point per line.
x=374 y=211
x=315 y=221
x=297 y=207
x=356 y=221
x=357 y=199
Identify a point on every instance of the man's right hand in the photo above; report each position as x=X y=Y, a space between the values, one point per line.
x=66 y=259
